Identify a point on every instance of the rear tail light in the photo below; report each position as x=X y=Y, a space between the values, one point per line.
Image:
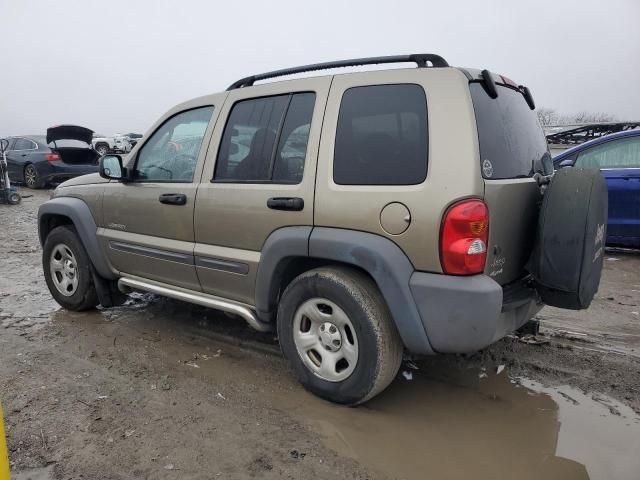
x=463 y=238
x=52 y=157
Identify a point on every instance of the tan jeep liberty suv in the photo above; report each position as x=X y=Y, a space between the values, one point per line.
x=363 y=215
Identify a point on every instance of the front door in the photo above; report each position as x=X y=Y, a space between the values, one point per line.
x=266 y=148
x=147 y=225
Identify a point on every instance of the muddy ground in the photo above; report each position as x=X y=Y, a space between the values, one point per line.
x=161 y=389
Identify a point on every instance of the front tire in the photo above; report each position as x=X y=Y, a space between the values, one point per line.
x=67 y=270
x=338 y=335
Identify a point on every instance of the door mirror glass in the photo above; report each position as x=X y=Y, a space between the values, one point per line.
x=111 y=167
x=547 y=164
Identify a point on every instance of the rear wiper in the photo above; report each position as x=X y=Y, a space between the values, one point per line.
x=489 y=85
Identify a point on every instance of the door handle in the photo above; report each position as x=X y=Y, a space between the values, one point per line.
x=173 y=198
x=286 y=203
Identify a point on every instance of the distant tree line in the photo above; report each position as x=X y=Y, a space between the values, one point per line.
x=549 y=116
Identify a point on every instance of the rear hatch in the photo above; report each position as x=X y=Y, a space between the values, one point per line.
x=73 y=144
x=512 y=147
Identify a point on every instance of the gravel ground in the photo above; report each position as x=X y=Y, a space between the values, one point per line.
x=162 y=389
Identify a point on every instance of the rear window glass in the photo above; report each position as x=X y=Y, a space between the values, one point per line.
x=381 y=137
x=512 y=142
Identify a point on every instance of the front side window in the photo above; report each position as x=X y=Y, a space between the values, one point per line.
x=381 y=138
x=24 y=144
x=623 y=153
x=265 y=140
x=171 y=153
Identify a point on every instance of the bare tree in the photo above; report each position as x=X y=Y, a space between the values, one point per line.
x=547 y=116
x=591 y=117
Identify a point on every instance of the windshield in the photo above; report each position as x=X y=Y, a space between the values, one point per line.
x=512 y=143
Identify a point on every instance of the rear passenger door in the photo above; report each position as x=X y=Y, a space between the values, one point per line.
x=259 y=177
x=619 y=162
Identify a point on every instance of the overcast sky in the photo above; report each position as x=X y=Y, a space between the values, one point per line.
x=117 y=65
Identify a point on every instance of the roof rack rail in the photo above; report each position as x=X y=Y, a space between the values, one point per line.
x=421 y=59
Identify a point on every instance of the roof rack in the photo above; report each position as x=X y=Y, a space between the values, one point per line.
x=421 y=59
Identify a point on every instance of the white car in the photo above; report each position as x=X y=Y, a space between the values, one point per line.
x=117 y=143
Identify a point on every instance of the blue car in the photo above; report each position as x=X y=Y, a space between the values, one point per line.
x=618 y=158
x=65 y=152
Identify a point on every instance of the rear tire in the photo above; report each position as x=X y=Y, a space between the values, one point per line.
x=338 y=335
x=67 y=270
x=102 y=148
x=32 y=178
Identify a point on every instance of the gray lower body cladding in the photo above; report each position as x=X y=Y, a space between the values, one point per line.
x=434 y=313
x=80 y=215
x=389 y=267
x=466 y=314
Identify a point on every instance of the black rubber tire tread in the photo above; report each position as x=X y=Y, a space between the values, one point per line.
x=379 y=344
x=85 y=297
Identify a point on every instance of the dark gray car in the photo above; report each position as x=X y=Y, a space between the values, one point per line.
x=37 y=160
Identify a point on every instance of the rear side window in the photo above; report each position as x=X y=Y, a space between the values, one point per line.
x=623 y=153
x=512 y=143
x=381 y=138
x=24 y=144
x=265 y=140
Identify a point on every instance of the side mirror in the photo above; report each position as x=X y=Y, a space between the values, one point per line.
x=111 y=167
x=547 y=165
x=566 y=163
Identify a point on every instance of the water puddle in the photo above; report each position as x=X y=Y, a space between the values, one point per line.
x=452 y=424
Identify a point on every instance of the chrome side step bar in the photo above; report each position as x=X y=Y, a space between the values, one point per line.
x=198 y=298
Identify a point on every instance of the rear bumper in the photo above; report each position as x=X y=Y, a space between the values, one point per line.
x=60 y=171
x=466 y=314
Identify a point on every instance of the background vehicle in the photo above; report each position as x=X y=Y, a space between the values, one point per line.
x=305 y=205
x=117 y=143
x=65 y=152
x=618 y=158
x=134 y=138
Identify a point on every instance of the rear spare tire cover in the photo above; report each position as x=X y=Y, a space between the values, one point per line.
x=566 y=261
